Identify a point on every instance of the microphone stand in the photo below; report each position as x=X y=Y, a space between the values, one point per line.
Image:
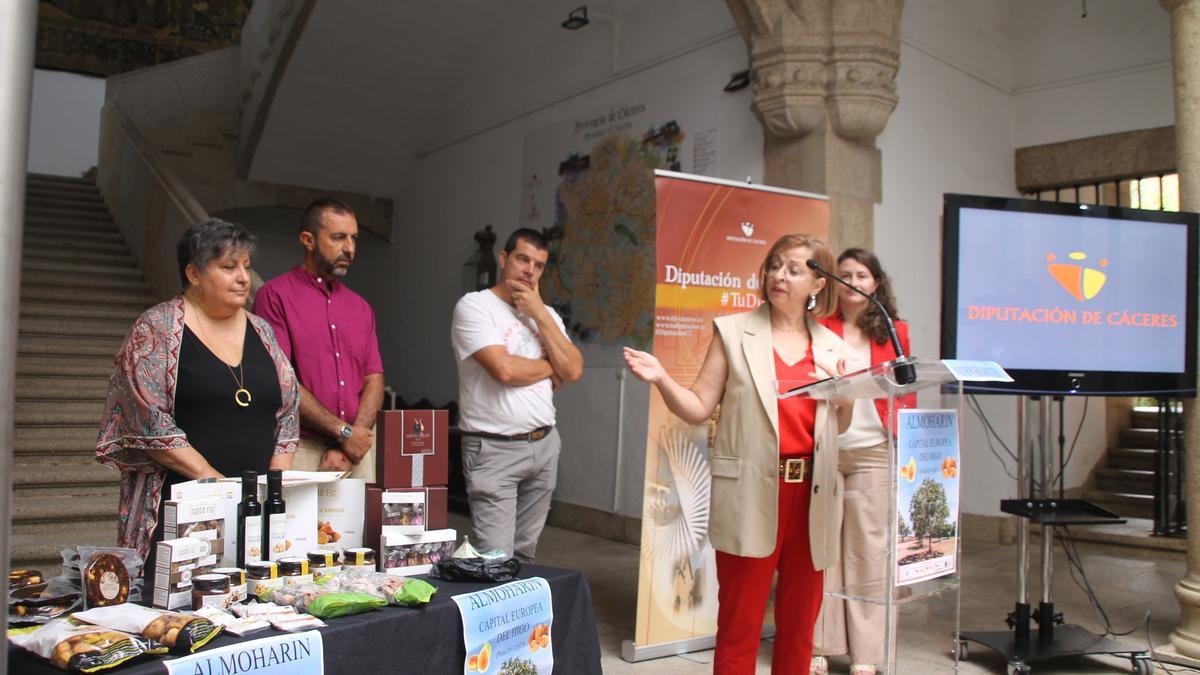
x=904 y=372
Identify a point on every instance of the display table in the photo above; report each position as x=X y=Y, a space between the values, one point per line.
x=426 y=640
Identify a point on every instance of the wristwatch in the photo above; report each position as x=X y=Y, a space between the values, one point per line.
x=346 y=432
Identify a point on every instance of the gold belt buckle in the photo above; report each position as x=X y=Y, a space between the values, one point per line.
x=794 y=470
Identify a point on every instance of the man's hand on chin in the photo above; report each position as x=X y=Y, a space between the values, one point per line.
x=526 y=298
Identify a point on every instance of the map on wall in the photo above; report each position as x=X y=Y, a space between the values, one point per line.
x=588 y=182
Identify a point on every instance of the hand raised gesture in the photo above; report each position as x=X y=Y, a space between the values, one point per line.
x=644 y=365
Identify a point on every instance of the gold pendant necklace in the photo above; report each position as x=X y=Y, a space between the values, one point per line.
x=240 y=377
x=241 y=390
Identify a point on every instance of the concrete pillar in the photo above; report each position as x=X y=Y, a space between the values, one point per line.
x=1185 y=55
x=18 y=23
x=824 y=78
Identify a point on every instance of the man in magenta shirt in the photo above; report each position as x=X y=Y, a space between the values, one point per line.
x=328 y=333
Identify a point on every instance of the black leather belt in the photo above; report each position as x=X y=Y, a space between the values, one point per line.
x=529 y=437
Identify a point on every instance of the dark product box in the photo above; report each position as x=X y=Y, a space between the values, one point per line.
x=435 y=511
x=411 y=448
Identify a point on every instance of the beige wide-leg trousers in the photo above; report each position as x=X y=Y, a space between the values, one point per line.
x=851 y=627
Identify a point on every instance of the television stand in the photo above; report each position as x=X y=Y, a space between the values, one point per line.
x=1020 y=645
x=1060 y=512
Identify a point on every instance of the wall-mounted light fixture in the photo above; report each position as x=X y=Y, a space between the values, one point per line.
x=577 y=19
x=479 y=271
x=738 y=81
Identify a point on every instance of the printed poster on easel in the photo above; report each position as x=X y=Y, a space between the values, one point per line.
x=927 y=458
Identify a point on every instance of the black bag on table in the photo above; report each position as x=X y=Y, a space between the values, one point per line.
x=476 y=569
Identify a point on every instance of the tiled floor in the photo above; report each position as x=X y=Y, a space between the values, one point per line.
x=1130 y=585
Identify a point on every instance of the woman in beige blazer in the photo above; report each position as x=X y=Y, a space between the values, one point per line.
x=774 y=464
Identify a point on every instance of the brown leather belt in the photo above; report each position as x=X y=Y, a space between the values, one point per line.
x=795 y=469
x=529 y=437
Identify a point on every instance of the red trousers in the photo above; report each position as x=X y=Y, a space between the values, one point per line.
x=745 y=586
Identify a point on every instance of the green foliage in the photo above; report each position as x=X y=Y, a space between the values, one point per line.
x=929 y=511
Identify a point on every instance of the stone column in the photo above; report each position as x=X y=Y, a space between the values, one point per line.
x=1185 y=55
x=823 y=74
x=18 y=26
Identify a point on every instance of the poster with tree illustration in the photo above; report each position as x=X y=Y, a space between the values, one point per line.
x=927 y=448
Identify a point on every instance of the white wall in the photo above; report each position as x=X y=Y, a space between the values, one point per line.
x=1125 y=100
x=64 y=123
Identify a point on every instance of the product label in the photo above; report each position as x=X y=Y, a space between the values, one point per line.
x=110 y=585
x=319 y=572
x=278 y=545
x=218 y=600
x=252 y=527
x=255 y=587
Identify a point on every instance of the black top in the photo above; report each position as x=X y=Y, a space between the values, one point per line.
x=232 y=438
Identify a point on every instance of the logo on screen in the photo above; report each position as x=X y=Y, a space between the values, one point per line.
x=748 y=229
x=1076 y=278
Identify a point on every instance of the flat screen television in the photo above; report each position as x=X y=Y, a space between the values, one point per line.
x=1071 y=298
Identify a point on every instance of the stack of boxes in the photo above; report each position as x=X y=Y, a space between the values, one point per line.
x=406 y=506
x=324 y=511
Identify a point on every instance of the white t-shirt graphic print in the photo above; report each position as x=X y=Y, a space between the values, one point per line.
x=482 y=319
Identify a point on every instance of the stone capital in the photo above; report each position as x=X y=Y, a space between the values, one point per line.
x=789 y=45
x=819 y=60
x=862 y=91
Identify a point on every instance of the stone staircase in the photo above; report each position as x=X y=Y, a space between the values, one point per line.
x=1125 y=485
x=81 y=290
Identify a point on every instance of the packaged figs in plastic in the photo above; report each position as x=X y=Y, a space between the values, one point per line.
x=181 y=633
x=21 y=578
x=83 y=649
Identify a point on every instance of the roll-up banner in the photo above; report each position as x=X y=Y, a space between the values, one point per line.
x=712 y=236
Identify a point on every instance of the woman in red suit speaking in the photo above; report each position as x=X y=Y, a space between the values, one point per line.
x=857 y=628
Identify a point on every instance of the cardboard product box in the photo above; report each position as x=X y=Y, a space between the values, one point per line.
x=300 y=492
x=373 y=519
x=228 y=491
x=412 y=554
x=178 y=560
x=301 y=495
x=412 y=448
x=436 y=517
x=340 y=514
x=199 y=519
x=436 y=498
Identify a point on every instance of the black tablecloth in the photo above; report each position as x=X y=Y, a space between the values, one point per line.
x=425 y=640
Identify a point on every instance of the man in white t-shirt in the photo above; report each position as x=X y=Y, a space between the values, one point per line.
x=512 y=352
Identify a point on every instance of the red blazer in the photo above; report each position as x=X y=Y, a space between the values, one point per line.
x=881 y=352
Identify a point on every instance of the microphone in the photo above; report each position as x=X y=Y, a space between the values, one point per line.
x=905 y=373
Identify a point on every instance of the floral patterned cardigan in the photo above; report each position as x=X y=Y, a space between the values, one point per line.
x=139 y=414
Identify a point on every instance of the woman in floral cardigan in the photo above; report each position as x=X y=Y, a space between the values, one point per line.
x=199 y=388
